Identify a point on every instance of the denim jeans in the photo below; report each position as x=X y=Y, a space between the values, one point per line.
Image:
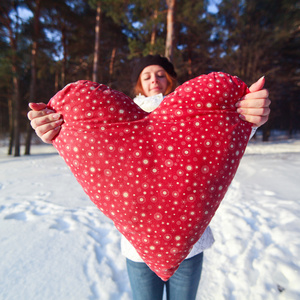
x=183 y=285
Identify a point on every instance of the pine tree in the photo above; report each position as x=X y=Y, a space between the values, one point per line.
x=33 y=80
x=10 y=27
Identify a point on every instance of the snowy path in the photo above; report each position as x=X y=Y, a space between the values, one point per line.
x=55 y=244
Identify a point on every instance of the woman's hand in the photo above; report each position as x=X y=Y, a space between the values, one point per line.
x=44 y=121
x=254 y=107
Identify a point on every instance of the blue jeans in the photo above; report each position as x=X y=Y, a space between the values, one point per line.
x=183 y=285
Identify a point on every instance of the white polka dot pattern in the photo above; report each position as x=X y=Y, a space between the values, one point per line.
x=160 y=176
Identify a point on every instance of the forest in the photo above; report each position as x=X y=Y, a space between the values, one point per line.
x=45 y=44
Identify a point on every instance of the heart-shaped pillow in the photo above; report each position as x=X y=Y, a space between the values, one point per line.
x=160 y=176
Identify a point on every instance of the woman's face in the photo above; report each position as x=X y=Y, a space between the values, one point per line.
x=154 y=80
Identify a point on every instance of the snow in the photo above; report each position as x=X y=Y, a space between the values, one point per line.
x=55 y=244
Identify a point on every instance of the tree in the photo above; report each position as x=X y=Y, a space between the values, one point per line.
x=193 y=30
x=33 y=66
x=10 y=27
x=61 y=19
x=111 y=8
x=146 y=23
x=97 y=42
x=170 y=29
x=254 y=37
x=246 y=38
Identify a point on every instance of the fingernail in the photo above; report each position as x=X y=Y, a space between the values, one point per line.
x=48 y=111
x=57 y=128
x=238 y=104
x=56 y=116
x=242 y=117
x=262 y=78
x=239 y=110
x=58 y=122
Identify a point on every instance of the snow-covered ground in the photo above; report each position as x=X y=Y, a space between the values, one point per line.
x=55 y=244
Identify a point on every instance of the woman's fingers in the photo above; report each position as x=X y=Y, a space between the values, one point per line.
x=261 y=111
x=47 y=135
x=43 y=128
x=254 y=103
x=40 y=119
x=47 y=127
x=254 y=106
x=262 y=94
x=44 y=121
x=32 y=114
x=257 y=121
x=258 y=85
x=37 y=106
x=255 y=111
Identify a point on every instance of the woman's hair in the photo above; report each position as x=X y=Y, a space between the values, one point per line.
x=171 y=86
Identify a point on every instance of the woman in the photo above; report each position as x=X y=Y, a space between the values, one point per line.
x=154 y=77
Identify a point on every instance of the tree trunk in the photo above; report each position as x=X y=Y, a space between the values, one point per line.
x=190 y=62
x=97 y=44
x=28 y=139
x=11 y=127
x=64 y=60
x=170 y=29
x=154 y=31
x=33 y=82
x=56 y=83
x=16 y=112
x=111 y=64
x=266 y=134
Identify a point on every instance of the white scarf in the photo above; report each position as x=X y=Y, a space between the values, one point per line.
x=148 y=104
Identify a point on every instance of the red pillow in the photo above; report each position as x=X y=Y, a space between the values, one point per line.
x=160 y=176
